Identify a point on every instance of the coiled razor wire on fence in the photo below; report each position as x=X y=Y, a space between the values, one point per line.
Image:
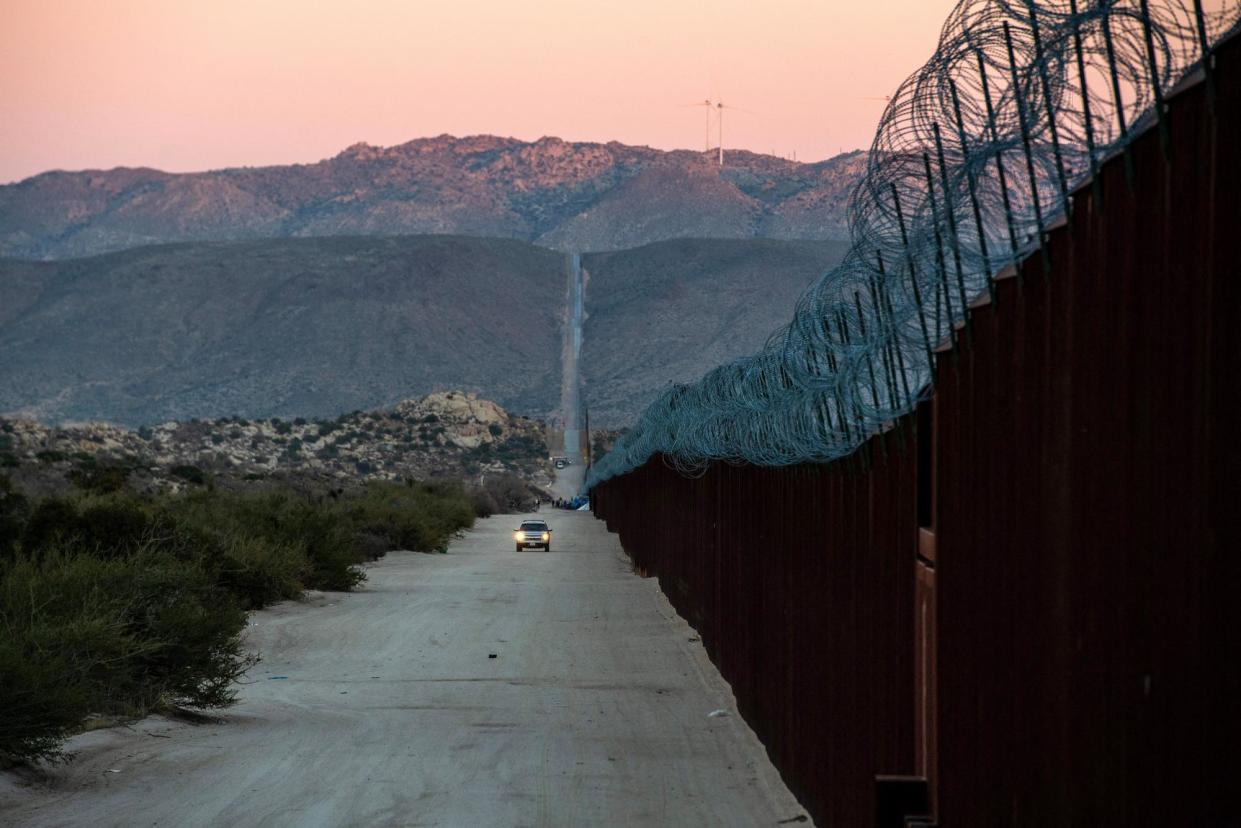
x=976 y=154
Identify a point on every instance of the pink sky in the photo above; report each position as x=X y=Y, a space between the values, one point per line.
x=200 y=84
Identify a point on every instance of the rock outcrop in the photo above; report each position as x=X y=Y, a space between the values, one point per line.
x=447 y=434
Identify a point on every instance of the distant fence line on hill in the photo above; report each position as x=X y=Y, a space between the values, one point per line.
x=975 y=158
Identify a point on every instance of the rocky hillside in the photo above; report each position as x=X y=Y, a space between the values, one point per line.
x=574 y=196
x=668 y=312
x=289 y=327
x=448 y=434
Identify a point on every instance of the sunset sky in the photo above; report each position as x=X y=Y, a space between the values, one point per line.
x=190 y=85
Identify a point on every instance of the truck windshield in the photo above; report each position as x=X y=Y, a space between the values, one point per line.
x=535 y=527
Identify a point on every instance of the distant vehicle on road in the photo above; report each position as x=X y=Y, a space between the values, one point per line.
x=561 y=462
x=533 y=533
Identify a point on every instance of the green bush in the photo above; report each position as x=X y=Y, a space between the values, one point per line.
x=107 y=526
x=114 y=636
x=190 y=474
x=115 y=603
x=422 y=517
x=94 y=477
x=509 y=492
x=14 y=512
x=485 y=505
x=287 y=527
x=212 y=528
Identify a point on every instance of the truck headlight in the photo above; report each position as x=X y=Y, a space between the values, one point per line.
x=547 y=536
x=517 y=536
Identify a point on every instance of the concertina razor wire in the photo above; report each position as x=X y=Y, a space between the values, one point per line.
x=976 y=154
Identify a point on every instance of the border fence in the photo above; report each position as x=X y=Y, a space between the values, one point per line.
x=1017 y=602
x=975 y=159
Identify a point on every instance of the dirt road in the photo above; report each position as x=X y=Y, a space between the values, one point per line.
x=482 y=687
x=569 y=482
x=570 y=362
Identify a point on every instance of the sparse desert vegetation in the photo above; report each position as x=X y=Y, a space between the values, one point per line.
x=449 y=434
x=124 y=590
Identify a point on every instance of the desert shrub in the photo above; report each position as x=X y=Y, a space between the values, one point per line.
x=117 y=603
x=190 y=474
x=114 y=525
x=281 y=426
x=483 y=502
x=285 y=527
x=107 y=526
x=259 y=571
x=14 y=511
x=115 y=636
x=422 y=517
x=371 y=546
x=49 y=456
x=195 y=625
x=495 y=429
x=51 y=520
x=326 y=541
x=509 y=492
x=62 y=649
x=101 y=478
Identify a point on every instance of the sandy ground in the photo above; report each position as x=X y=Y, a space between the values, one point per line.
x=482 y=687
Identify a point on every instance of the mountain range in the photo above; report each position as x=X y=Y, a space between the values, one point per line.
x=316 y=327
x=139 y=296
x=668 y=312
x=558 y=194
x=284 y=327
